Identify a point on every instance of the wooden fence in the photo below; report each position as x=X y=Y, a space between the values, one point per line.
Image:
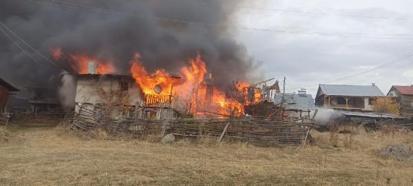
x=256 y=131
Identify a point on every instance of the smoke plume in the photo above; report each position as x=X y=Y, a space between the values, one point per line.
x=325 y=116
x=165 y=33
x=67 y=91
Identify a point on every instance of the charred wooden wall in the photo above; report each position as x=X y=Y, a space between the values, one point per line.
x=4 y=95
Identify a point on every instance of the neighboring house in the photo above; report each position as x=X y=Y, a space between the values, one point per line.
x=297 y=105
x=5 y=91
x=296 y=101
x=43 y=101
x=348 y=97
x=404 y=98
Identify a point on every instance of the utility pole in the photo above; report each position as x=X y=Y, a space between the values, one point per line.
x=283 y=94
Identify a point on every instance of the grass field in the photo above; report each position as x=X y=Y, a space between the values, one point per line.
x=52 y=156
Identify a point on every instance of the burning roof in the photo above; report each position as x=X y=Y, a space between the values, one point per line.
x=191 y=90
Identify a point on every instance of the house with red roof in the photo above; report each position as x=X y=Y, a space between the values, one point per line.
x=404 y=97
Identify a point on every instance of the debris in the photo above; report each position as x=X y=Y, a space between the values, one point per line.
x=400 y=152
x=168 y=139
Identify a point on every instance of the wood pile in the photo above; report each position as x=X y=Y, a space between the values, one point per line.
x=86 y=119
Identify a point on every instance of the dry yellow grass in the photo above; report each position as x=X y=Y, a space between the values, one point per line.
x=50 y=156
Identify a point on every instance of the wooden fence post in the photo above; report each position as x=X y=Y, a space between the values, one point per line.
x=223 y=132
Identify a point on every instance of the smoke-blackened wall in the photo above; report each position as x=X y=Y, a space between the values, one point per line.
x=165 y=33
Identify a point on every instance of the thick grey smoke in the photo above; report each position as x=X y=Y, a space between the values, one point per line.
x=165 y=33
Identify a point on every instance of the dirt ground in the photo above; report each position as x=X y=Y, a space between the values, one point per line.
x=52 y=156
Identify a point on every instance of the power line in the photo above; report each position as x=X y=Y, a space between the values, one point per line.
x=399 y=60
x=10 y=34
x=18 y=45
x=28 y=45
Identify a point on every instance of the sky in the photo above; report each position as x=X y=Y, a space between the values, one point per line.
x=309 y=41
x=336 y=42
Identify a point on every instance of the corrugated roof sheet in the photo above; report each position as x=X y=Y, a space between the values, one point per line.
x=296 y=101
x=404 y=90
x=351 y=90
x=370 y=115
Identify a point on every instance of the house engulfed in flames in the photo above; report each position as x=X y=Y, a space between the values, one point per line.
x=118 y=96
x=158 y=95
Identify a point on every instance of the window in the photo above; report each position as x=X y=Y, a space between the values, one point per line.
x=371 y=101
x=341 y=100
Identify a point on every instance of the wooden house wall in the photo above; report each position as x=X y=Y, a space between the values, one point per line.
x=106 y=92
x=4 y=95
x=406 y=105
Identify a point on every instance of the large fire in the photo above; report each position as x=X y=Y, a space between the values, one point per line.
x=83 y=64
x=191 y=90
x=250 y=94
x=158 y=83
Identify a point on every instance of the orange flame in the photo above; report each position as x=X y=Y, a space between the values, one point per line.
x=82 y=63
x=157 y=83
x=242 y=86
x=56 y=53
x=192 y=90
x=250 y=94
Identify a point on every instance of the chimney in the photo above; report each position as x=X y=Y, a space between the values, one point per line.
x=302 y=92
x=373 y=84
x=91 y=67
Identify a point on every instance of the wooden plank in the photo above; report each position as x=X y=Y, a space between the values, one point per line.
x=223 y=132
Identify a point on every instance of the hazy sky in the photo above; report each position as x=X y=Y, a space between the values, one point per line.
x=320 y=41
x=324 y=41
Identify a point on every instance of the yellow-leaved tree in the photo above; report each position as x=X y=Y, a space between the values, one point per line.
x=386 y=105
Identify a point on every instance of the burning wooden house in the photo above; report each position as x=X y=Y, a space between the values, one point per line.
x=140 y=103
x=159 y=94
x=118 y=96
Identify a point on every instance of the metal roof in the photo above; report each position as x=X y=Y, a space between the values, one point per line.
x=296 y=101
x=350 y=90
x=371 y=115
